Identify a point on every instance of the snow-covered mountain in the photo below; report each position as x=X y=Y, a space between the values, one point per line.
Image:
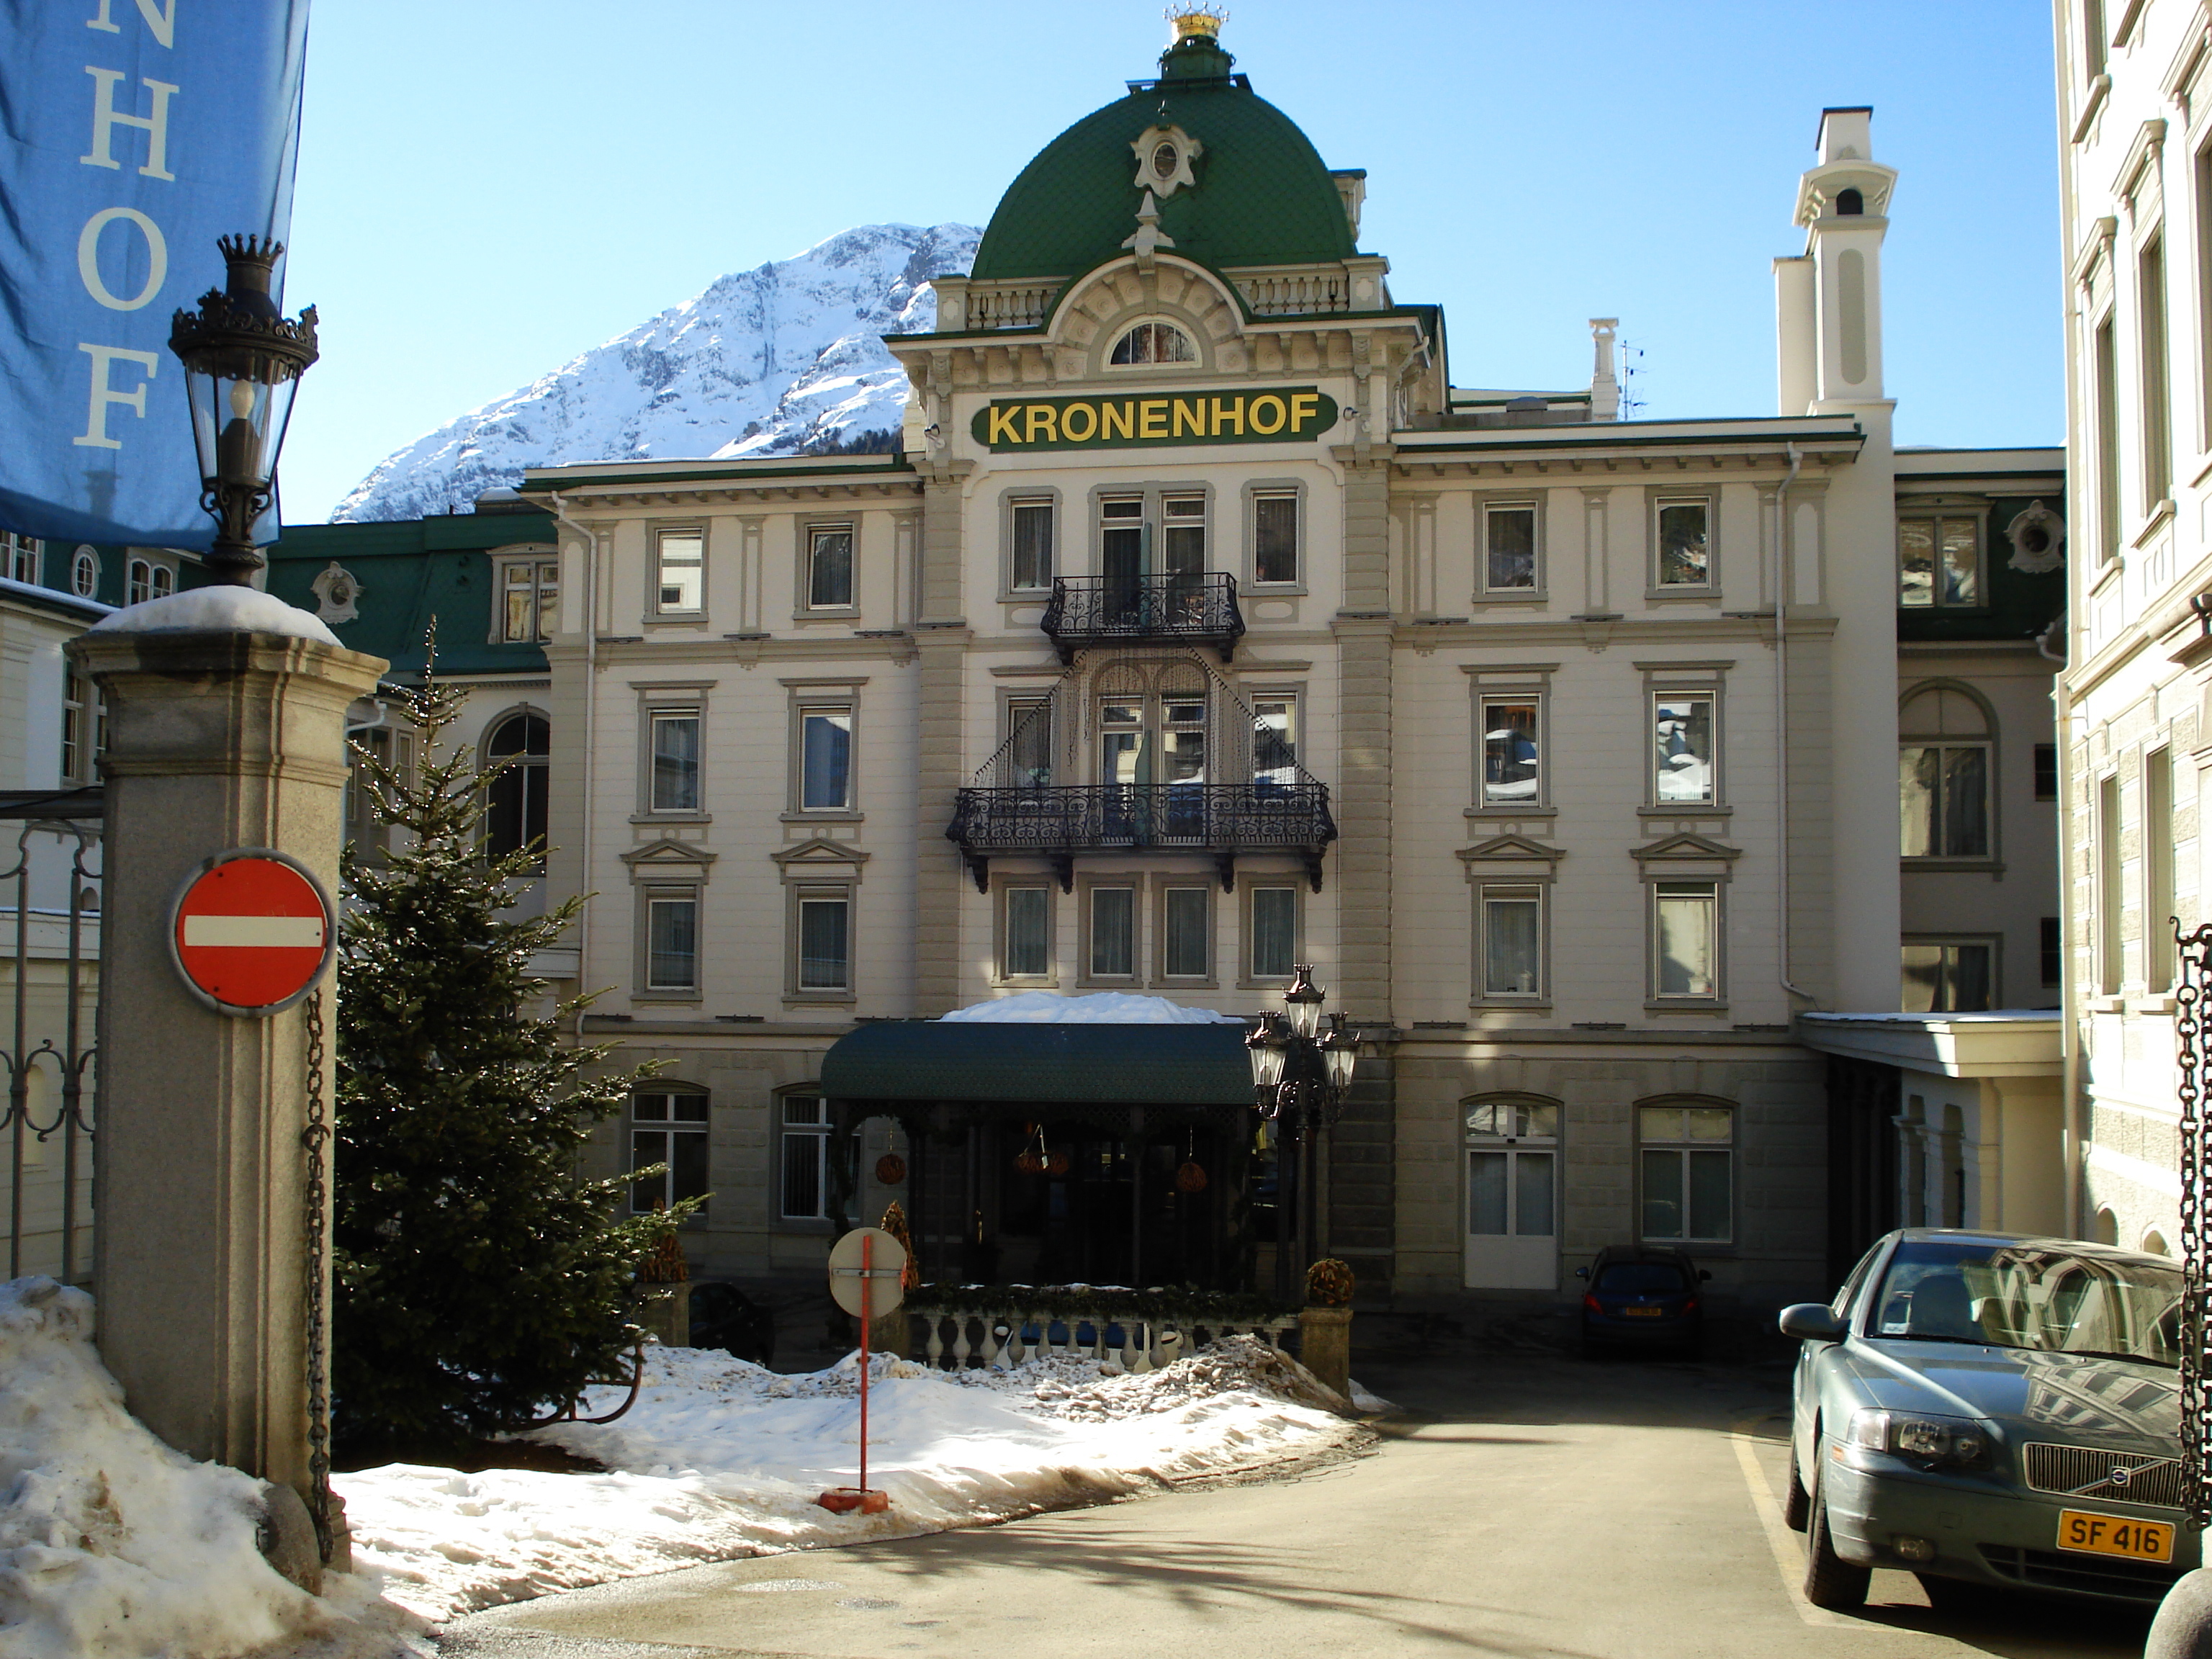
x=764 y=362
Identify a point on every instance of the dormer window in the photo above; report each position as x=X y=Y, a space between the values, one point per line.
x=1155 y=342
x=1850 y=203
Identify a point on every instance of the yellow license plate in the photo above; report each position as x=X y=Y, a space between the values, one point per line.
x=1644 y=1312
x=2091 y=1533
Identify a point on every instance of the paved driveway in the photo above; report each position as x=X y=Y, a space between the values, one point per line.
x=1532 y=1504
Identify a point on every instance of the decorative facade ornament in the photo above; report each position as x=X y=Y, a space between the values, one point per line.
x=1148 y=239
x=337 y=594
x=1164 y=159
x=2038 y=541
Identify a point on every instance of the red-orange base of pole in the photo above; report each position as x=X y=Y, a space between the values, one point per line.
x=843 y=1500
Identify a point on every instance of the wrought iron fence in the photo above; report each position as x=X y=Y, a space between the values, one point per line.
x=49 y=1057
x=1110 y=610
x=1228 y=817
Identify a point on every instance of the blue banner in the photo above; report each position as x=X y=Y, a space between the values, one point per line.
x=133 y=133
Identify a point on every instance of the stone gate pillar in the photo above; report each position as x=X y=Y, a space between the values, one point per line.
x=226 y=728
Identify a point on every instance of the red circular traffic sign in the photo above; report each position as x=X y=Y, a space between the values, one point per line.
x=252 y=932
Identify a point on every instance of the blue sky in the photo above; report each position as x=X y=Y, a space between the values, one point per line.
x=488 y=187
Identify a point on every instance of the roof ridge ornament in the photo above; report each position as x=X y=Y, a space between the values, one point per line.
x=1201 y=23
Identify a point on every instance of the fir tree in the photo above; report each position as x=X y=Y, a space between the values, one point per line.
x=479 y=1282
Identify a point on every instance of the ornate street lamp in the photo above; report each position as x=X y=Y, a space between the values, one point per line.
x=242 y=362
x=1299 y=1079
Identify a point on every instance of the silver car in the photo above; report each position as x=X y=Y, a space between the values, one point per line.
x=1987 y=1409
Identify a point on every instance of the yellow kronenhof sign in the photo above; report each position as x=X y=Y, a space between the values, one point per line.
x=1275 y=414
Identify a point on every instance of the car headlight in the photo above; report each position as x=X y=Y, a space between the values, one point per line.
x=1920 y=1437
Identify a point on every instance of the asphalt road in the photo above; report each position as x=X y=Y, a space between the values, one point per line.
x=1529 y=1504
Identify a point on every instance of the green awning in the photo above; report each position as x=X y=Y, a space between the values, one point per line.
x=980 y=1060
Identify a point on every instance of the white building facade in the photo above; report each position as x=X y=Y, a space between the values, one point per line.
x=1204 y=628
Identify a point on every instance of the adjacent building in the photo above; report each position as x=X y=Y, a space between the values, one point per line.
x=2135 y=102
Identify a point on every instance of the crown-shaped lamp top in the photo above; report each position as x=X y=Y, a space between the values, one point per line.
x=251 y=266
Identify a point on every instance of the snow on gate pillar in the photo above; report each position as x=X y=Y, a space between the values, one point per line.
x=226 y=729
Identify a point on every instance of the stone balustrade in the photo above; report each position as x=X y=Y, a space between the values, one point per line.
x=1006 y=1335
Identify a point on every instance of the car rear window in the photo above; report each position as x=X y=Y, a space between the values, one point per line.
x=1640 y=1278
x=2031 y=1296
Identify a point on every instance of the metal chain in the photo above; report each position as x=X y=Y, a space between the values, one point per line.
x=2195 y=951
x=316 y=1138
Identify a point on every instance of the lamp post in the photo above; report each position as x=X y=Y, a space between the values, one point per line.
x=242 y=362
x=1300 y=1075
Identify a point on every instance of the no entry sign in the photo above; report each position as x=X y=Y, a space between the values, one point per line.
x=252 y=932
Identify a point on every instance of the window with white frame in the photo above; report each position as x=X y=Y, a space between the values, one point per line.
x=1512 y=750
x=668 y=1128
x=147 y=578
x=672 y=737
x=1113 y=933
x=1686 y=940
x=830 y=567
x=1509 y=938
x=1685 y=544
x=1948 y=977
x=22 y=556
x=1274 y=931
x=1939 y=561
x=1275 y=741
x=84 y=573
x=825 y=759
x=1029 y=564
x=671 y=938
x=1029 y=733
x=393 y=749
x=1183 y=535
x=803 y=1159
x=84 y=728
x=680 y=570
x=1682 y=771
x=1509 y=547
x=530 y=600
x=824 y=918
x=1026 y=934
x=1687 y=1169
x=1275 y=537
x=1154 y=343
x=1187 y=945
x=515 y=804
x=1945 y=751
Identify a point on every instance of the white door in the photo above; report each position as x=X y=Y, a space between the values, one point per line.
x=1512 y=1198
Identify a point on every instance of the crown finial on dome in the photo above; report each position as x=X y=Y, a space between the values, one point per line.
x=1201 y=23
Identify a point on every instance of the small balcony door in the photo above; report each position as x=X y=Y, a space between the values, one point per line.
x=1512 y=1197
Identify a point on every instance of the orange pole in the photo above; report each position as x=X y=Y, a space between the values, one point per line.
x=867 y=1308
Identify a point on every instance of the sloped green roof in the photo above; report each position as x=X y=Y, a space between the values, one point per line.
x=1263 y=197
x=413 y=571
x=979 y=1061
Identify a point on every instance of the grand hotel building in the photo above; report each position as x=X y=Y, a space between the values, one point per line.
x=1203 y=627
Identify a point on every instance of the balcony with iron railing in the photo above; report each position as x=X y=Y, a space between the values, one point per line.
x=1093 y=610
x=1058 y=821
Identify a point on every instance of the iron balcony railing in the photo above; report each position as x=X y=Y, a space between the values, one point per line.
x=1113 y=610
x=1057 y=821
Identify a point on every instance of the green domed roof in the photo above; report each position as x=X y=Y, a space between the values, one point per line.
x=1263 y=197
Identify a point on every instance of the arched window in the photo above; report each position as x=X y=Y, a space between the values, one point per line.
x=1155 y=342
x=1945 y=749
x=1849 y=203
x=84 y=573
x=164 y=581
x=1512 y=1192
x=140 y=586
x=517 y=815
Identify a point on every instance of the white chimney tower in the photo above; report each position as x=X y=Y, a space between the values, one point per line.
x=1828 y=302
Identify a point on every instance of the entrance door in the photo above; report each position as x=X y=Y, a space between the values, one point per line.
x=1512 y=1197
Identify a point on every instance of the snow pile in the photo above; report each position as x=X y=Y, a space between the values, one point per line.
x=764 y=362
x=112 y=1543
x=720 y=1458
x=1100 y=1008
x=222 y=609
